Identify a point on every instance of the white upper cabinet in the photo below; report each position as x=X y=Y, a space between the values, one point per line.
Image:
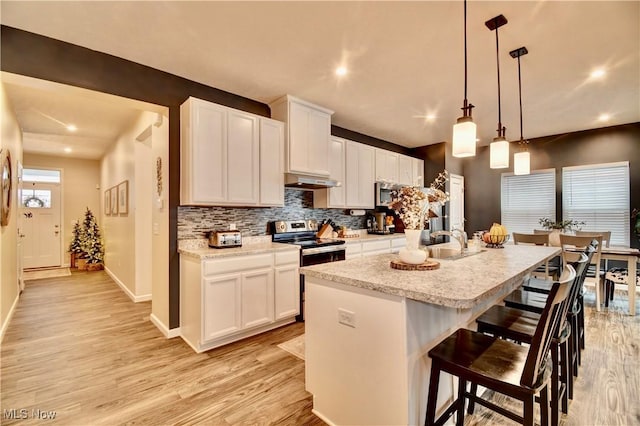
x=203 y=172
x=271 y=162
x=386 y=166
x=222 y=161
x=405 y=170
x=418 y=171
x=360 y=175
x=307 y=133
x=243 y=158
x=333 y=197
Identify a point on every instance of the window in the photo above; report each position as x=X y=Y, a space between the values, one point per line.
x=598 y=195
x=36 y=198
x=527 y=198
x=39 y=175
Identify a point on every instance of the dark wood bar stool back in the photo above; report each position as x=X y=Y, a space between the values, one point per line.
x=520 y=325
x=500 y=365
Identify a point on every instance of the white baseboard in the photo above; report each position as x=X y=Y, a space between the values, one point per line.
x=133 y=297
x=168 y=333
x=5 y=325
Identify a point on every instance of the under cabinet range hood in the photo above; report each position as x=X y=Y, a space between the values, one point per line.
x=308 y=183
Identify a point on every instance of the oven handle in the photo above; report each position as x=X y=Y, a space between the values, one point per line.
x=325 y=249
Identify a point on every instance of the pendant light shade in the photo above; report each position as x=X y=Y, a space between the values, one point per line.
x=464 y=138
x=521 y=163
x=522 y=159
x=499 y=148
x=499 y=154
x=464 y=131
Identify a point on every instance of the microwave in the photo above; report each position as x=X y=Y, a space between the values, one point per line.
x=383 y=193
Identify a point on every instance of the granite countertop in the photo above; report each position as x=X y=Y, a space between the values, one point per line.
x=199 y=248
x=461 y=283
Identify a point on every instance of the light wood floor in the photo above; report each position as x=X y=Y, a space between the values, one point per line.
x=78 y=346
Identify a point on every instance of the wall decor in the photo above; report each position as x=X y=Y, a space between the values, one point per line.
x=123 y=197
x=159 y=176
x=114 y=200
x=5 y=207
x=107 y=202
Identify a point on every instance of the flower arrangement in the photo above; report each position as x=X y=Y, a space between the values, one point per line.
x=564 y=225
x=414 y=205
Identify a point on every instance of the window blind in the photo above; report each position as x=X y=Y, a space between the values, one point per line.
x=527 y=198
x=598 y=195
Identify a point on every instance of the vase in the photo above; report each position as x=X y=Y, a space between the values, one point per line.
x=411 y=253
x=554 y=237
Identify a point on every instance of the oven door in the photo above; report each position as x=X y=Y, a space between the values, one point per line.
x=316 y=256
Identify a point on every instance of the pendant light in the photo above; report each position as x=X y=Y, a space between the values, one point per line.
x=464 y=131
x=522 y=159
x=499 y=148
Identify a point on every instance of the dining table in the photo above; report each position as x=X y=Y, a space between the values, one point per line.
x=632 y=257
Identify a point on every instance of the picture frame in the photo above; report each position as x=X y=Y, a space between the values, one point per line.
x=123 y=197
x=113 y=191
x=107 y=202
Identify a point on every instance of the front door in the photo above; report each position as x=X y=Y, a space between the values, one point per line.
x=456 y=202
x=40 y=214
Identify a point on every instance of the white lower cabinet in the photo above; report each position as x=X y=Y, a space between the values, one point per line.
x=228 y=299
x=379 y=245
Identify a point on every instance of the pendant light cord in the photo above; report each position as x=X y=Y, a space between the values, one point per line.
x=500 y=128
x=465 y=54
x=520 y=97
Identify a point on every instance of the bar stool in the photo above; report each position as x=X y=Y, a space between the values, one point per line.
x=500 y=365
x=540 y=240
x=520 y=325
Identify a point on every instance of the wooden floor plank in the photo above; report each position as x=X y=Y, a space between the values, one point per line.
x=78 y=346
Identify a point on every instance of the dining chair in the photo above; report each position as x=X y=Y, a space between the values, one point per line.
x=606 y=240
x=548 y=270
x=520 y=372
x=616 y=276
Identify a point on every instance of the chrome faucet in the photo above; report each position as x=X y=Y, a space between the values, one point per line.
x=456 y=233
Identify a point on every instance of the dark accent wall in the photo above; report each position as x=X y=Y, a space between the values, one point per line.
x=45 y=58
x=369 y=140
x=605 y=145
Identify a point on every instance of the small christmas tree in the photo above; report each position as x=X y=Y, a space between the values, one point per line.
x=91 y=242
x=76 y=242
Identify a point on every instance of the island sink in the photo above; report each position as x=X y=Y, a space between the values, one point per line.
x=447 y=253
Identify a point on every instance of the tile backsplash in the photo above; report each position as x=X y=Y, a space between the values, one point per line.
x=195 y=222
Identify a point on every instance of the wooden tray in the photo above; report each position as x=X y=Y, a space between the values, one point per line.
x=429 y=265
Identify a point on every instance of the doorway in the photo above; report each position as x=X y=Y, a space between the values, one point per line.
x=456 y=203
x=40 y=213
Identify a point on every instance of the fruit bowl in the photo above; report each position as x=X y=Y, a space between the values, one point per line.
x=495 y=240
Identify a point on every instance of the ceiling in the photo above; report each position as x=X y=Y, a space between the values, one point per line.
x=404 y=59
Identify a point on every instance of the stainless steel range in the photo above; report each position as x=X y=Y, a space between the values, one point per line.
x=313 y=251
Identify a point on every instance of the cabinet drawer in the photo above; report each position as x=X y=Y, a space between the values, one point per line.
x=284 y=257
x=398 y=242
x=353 y=248
x=237 y=263
x=376 y=246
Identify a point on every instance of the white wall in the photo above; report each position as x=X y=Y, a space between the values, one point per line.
x=80 y=178
x=10 y=141
x=160 y=224
x=134 y=257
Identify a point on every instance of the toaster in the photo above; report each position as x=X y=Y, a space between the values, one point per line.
x=221 y=239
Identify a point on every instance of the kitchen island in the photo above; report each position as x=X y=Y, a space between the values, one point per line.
x=369 y=327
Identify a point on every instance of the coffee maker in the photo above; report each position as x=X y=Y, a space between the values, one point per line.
x=378 y=223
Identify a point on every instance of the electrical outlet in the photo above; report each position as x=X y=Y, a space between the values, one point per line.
x=347 y=318
x=232 y=227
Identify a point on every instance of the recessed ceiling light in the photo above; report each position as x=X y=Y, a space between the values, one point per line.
x=71 y=127
x=340 y=71
x=604 y=117
x=67 y=150
x=598 y=73
x=430 y=117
